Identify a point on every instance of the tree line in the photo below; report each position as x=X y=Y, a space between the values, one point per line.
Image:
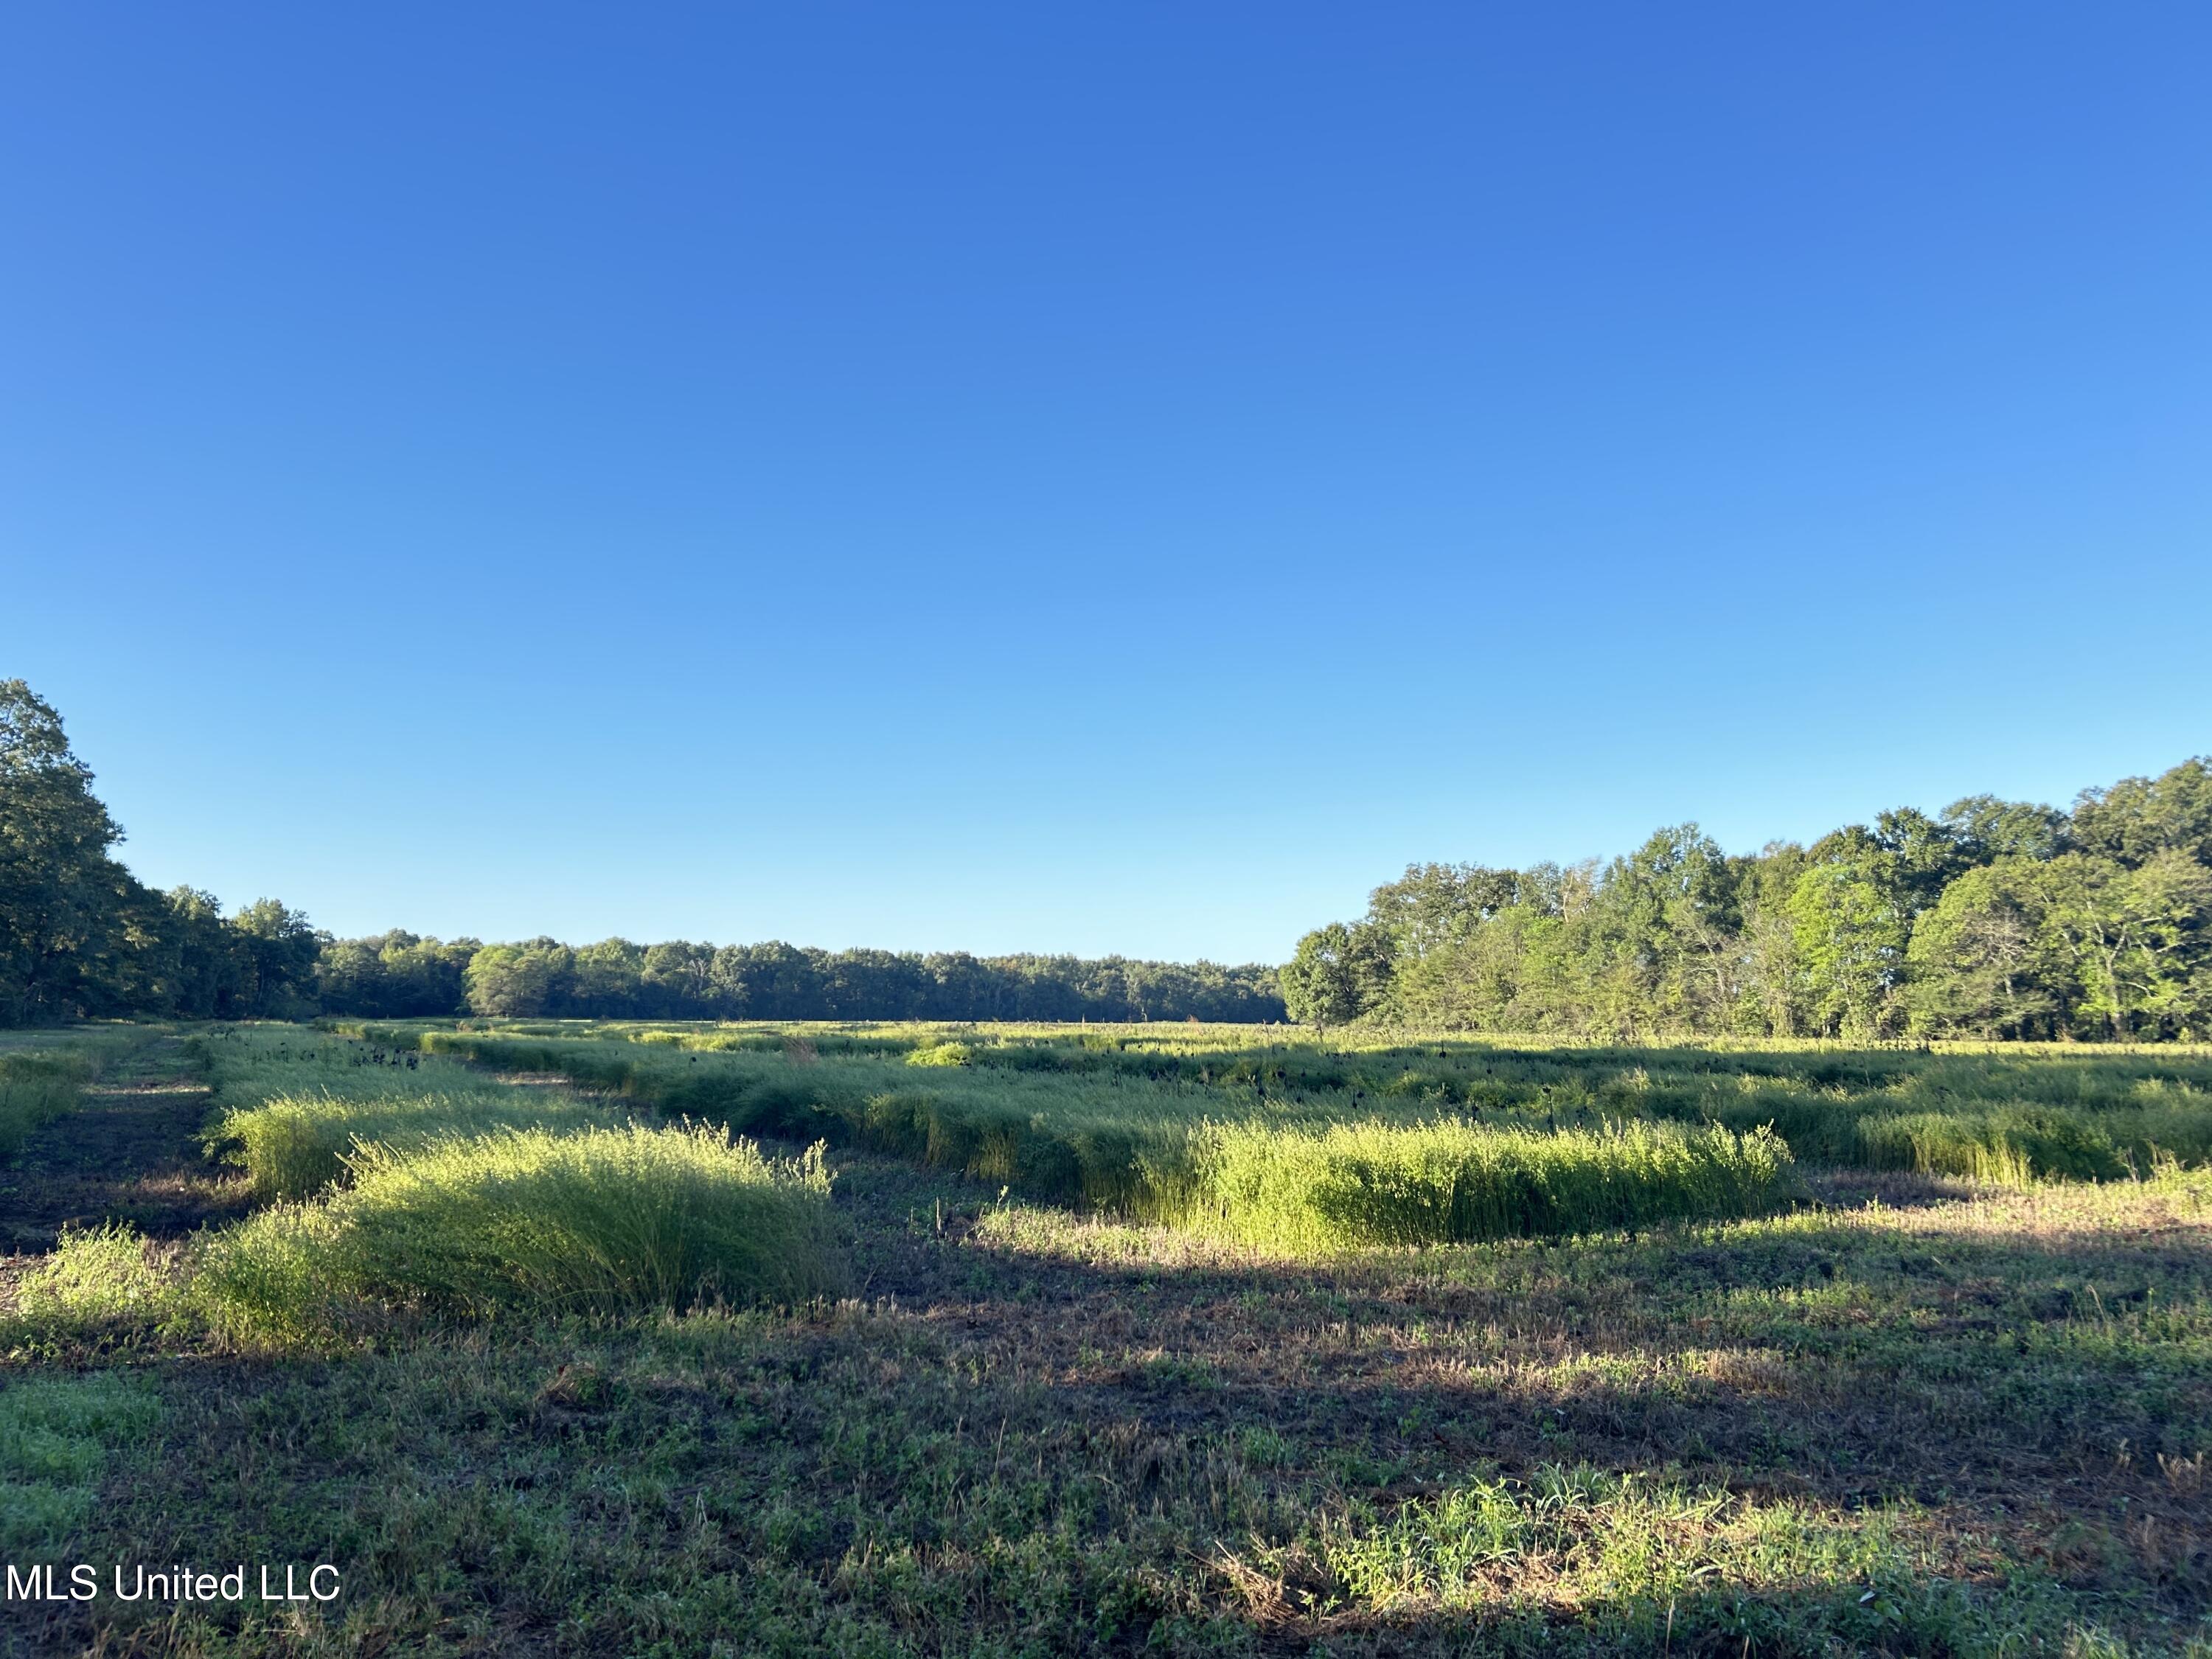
x=398 y=974
x=1993 y=919
x=81 y=937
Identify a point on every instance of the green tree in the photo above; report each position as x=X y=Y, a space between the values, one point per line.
x=2140 y=940
x=520 y=981
x=1918 y=857
x=1984 y=960
x=1337 y=973
x=606 y=980
x=350 y=979
x=394 y=976
x=277 y=949
x=211 y=970
x=1432 y=904
x=1988 y=828
x=426 y=976
x=677 y=979
x=1849 y=937
x=2138 y=818
x=58 y=888
x=1672 y=956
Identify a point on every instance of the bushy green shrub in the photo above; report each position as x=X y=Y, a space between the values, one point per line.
x=941 y=1053
x=595 y=1220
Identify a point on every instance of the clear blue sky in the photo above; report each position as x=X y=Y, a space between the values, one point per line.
x=1092 y=478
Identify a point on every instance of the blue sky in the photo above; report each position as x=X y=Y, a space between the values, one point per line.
x=1086 y=477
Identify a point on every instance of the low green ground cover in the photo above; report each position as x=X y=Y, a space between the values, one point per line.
x=58 y=1436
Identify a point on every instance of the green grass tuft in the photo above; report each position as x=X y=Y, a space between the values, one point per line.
x=93 y=1274
x=941 y=1053
x=599 y=1221
x=1453 y=1181
x=294 y=1145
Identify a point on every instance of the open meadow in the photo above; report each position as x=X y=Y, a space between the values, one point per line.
x=1106 y=832
x=565 y=1337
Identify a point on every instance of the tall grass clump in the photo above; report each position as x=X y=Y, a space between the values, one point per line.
x=293 y=1146
x=597 y=1220
x=37 y=1087
x=1451 y=1180
x=104 y=1285
x=2014 y=1148
x=1062 y=1138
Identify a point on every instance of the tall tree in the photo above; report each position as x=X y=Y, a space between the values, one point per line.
x=58 y=892
x=523 y=980
x=211 y=970
x=277 y=947
x=2140 y=938
x=1986 y=961
x=1338 y=974
x=1987 y=828
x=1849 y=938
x=2138 y=818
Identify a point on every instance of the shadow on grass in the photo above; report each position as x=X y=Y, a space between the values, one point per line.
x=1956 y=1428
x=130 y=1152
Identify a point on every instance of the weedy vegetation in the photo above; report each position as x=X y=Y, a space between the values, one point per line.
x=1453 y=1180
x=539 y=1220
x=41 y=1079
x=902 y=1339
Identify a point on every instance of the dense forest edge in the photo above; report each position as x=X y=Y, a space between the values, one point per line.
x=1993 y=919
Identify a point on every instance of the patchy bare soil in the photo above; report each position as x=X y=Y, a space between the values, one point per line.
x=130 y=1152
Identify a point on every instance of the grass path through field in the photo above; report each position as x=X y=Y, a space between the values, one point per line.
x=130 y=1152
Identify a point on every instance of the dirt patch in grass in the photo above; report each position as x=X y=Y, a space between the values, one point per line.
x=130 y=1152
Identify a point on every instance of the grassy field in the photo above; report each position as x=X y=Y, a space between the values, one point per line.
x=1119 y=1117
x=1188 y=1339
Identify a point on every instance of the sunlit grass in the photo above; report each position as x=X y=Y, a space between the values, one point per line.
x=294 y=1146
x=597 y=1220
x=1116 y=1117
x=1453 y=1181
